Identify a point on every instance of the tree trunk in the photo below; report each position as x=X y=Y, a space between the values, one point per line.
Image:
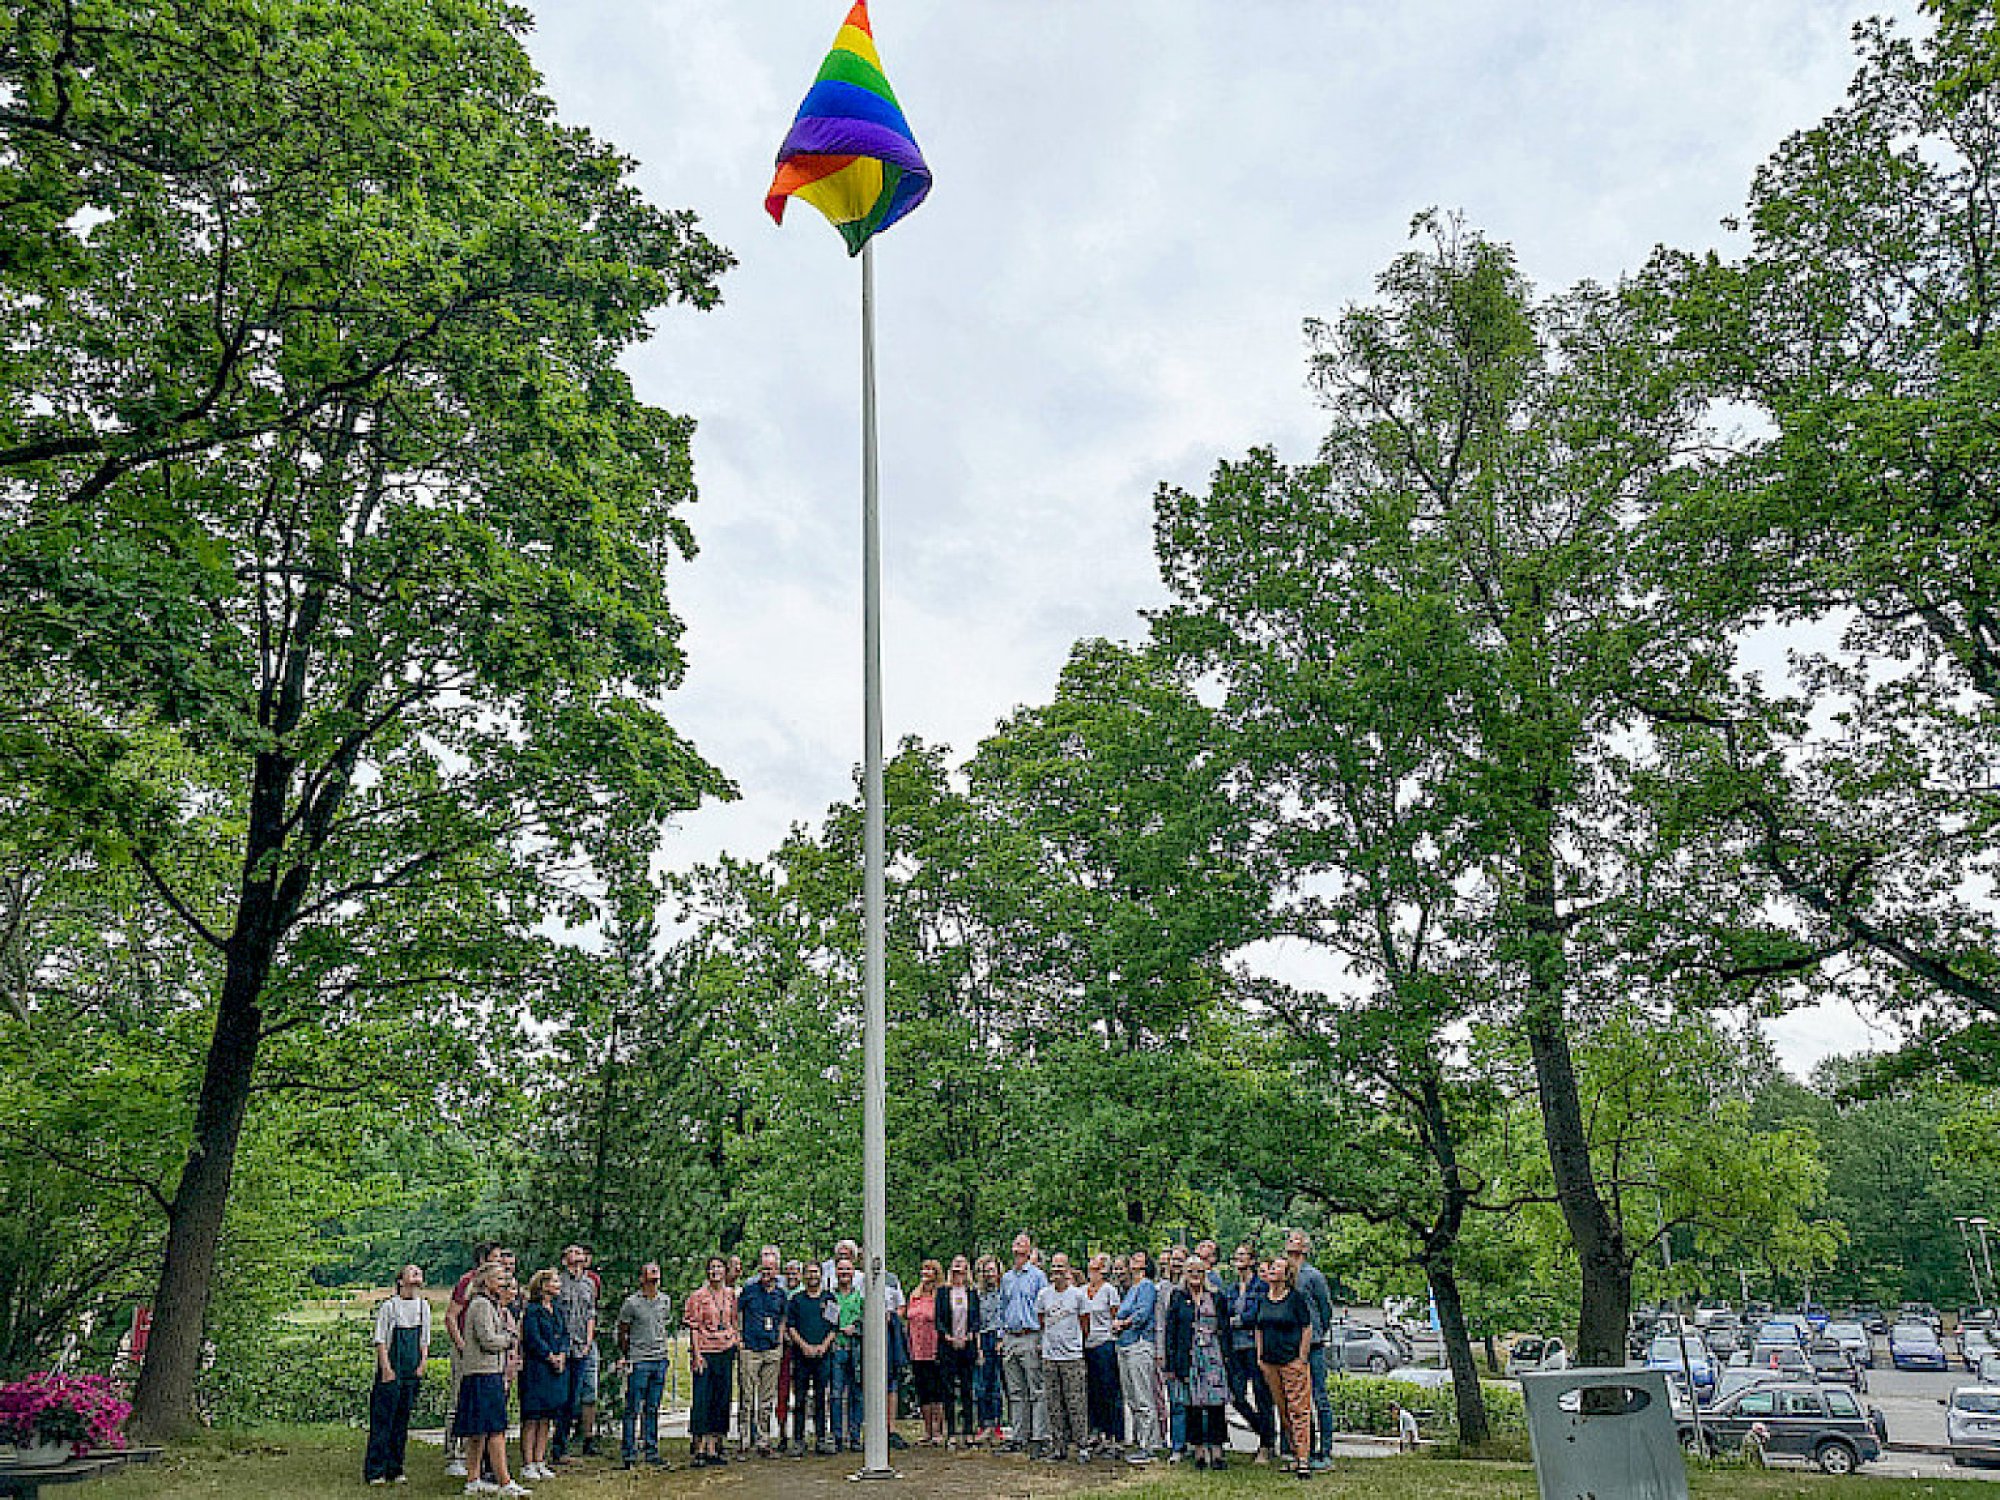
x=163 y=1404
x=1440 y=1246
x=1468 y=1396
x=1599 y=1241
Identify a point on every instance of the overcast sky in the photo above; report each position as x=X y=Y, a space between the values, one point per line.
x=1137 y=204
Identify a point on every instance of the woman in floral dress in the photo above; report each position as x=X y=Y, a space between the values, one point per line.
x=1197 y=1333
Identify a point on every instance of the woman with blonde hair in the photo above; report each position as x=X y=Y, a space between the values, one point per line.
x=544 y=1385
x=482 y=1395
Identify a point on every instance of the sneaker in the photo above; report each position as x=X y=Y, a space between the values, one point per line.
x=480 y=1487
x=1012 y=1446
x=455 y=1469
x=896 y=1440
x=1138 y=1456
x=1321 y=1465
x=378 y=1479
x=515 y=1491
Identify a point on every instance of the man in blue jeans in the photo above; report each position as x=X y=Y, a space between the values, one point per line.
x=843 y=1376
x=642 y=1343
x=1310 y=1280
x=577 y=1301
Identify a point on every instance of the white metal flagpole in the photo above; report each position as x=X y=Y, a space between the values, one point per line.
x=874 y=1131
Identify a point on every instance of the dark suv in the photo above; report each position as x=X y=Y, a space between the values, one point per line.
x=1824 y=1425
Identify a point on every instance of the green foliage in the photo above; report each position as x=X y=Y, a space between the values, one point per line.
x=279 y=1374
x=1840 y=804
x=1361 y=1404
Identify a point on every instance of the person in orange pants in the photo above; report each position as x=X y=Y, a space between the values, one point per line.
x=1284 y=1327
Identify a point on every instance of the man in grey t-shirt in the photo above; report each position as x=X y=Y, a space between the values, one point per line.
x=642 y=1343
x=1062 y=1309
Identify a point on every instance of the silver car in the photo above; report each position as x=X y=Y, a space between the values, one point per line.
x=1972 y=1424
x=1533 y=1354
x=1349 y=1346
x=1854 y=1339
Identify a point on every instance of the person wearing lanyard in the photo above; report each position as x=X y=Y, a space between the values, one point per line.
x=761 y=1306
x=402 y=1349
x=710 y=1315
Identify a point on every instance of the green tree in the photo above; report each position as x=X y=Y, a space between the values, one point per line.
x=1118 y=882
x=350 y=495
x=1488 y=451
x=1848 y=792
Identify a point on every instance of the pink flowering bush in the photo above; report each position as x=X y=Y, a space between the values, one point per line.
x=84 y=1410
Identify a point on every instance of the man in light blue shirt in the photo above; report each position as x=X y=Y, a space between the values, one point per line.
x=1136 y=1327
x=1021 y=1348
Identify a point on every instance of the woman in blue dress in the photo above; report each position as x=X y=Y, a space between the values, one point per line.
x=544 y=1385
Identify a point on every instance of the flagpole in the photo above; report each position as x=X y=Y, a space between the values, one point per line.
x=874 y=1132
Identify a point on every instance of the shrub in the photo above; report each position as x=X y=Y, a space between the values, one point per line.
x=292 y=1375
x=1361 y=1404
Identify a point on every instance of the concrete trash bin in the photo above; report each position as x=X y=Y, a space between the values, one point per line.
x=1584 y=1451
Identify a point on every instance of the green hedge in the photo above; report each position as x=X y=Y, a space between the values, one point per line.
x=307 y=1375
x=1361 y=1404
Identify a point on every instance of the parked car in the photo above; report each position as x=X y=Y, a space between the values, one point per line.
x=1978 y=1317
x=1742 y=1377
x=1707 y=1311
x=1787 y=1357
x=1755 y=1312
x=1920 y=1312
x=1915 y=1346
x=1785 y=1326
x=1832 y=1363
x=1869 y=1316
x=1853 y=1337
x=1362 y=1348
x=1989 y=1369
x=1533 y=1354
x=1687 y=1354
x=1816 y=1316
x=1823 y=1425
x=1974 y=1344
x=1972 y=1424
x=1724 y=1336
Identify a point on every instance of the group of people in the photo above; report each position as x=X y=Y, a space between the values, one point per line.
x=1121 y=1358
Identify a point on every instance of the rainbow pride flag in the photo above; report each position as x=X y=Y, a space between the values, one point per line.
x=850 y=153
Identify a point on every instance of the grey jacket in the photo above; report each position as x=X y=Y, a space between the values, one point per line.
x=488 y=1337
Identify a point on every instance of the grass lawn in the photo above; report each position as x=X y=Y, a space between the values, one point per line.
x=312 y=1463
